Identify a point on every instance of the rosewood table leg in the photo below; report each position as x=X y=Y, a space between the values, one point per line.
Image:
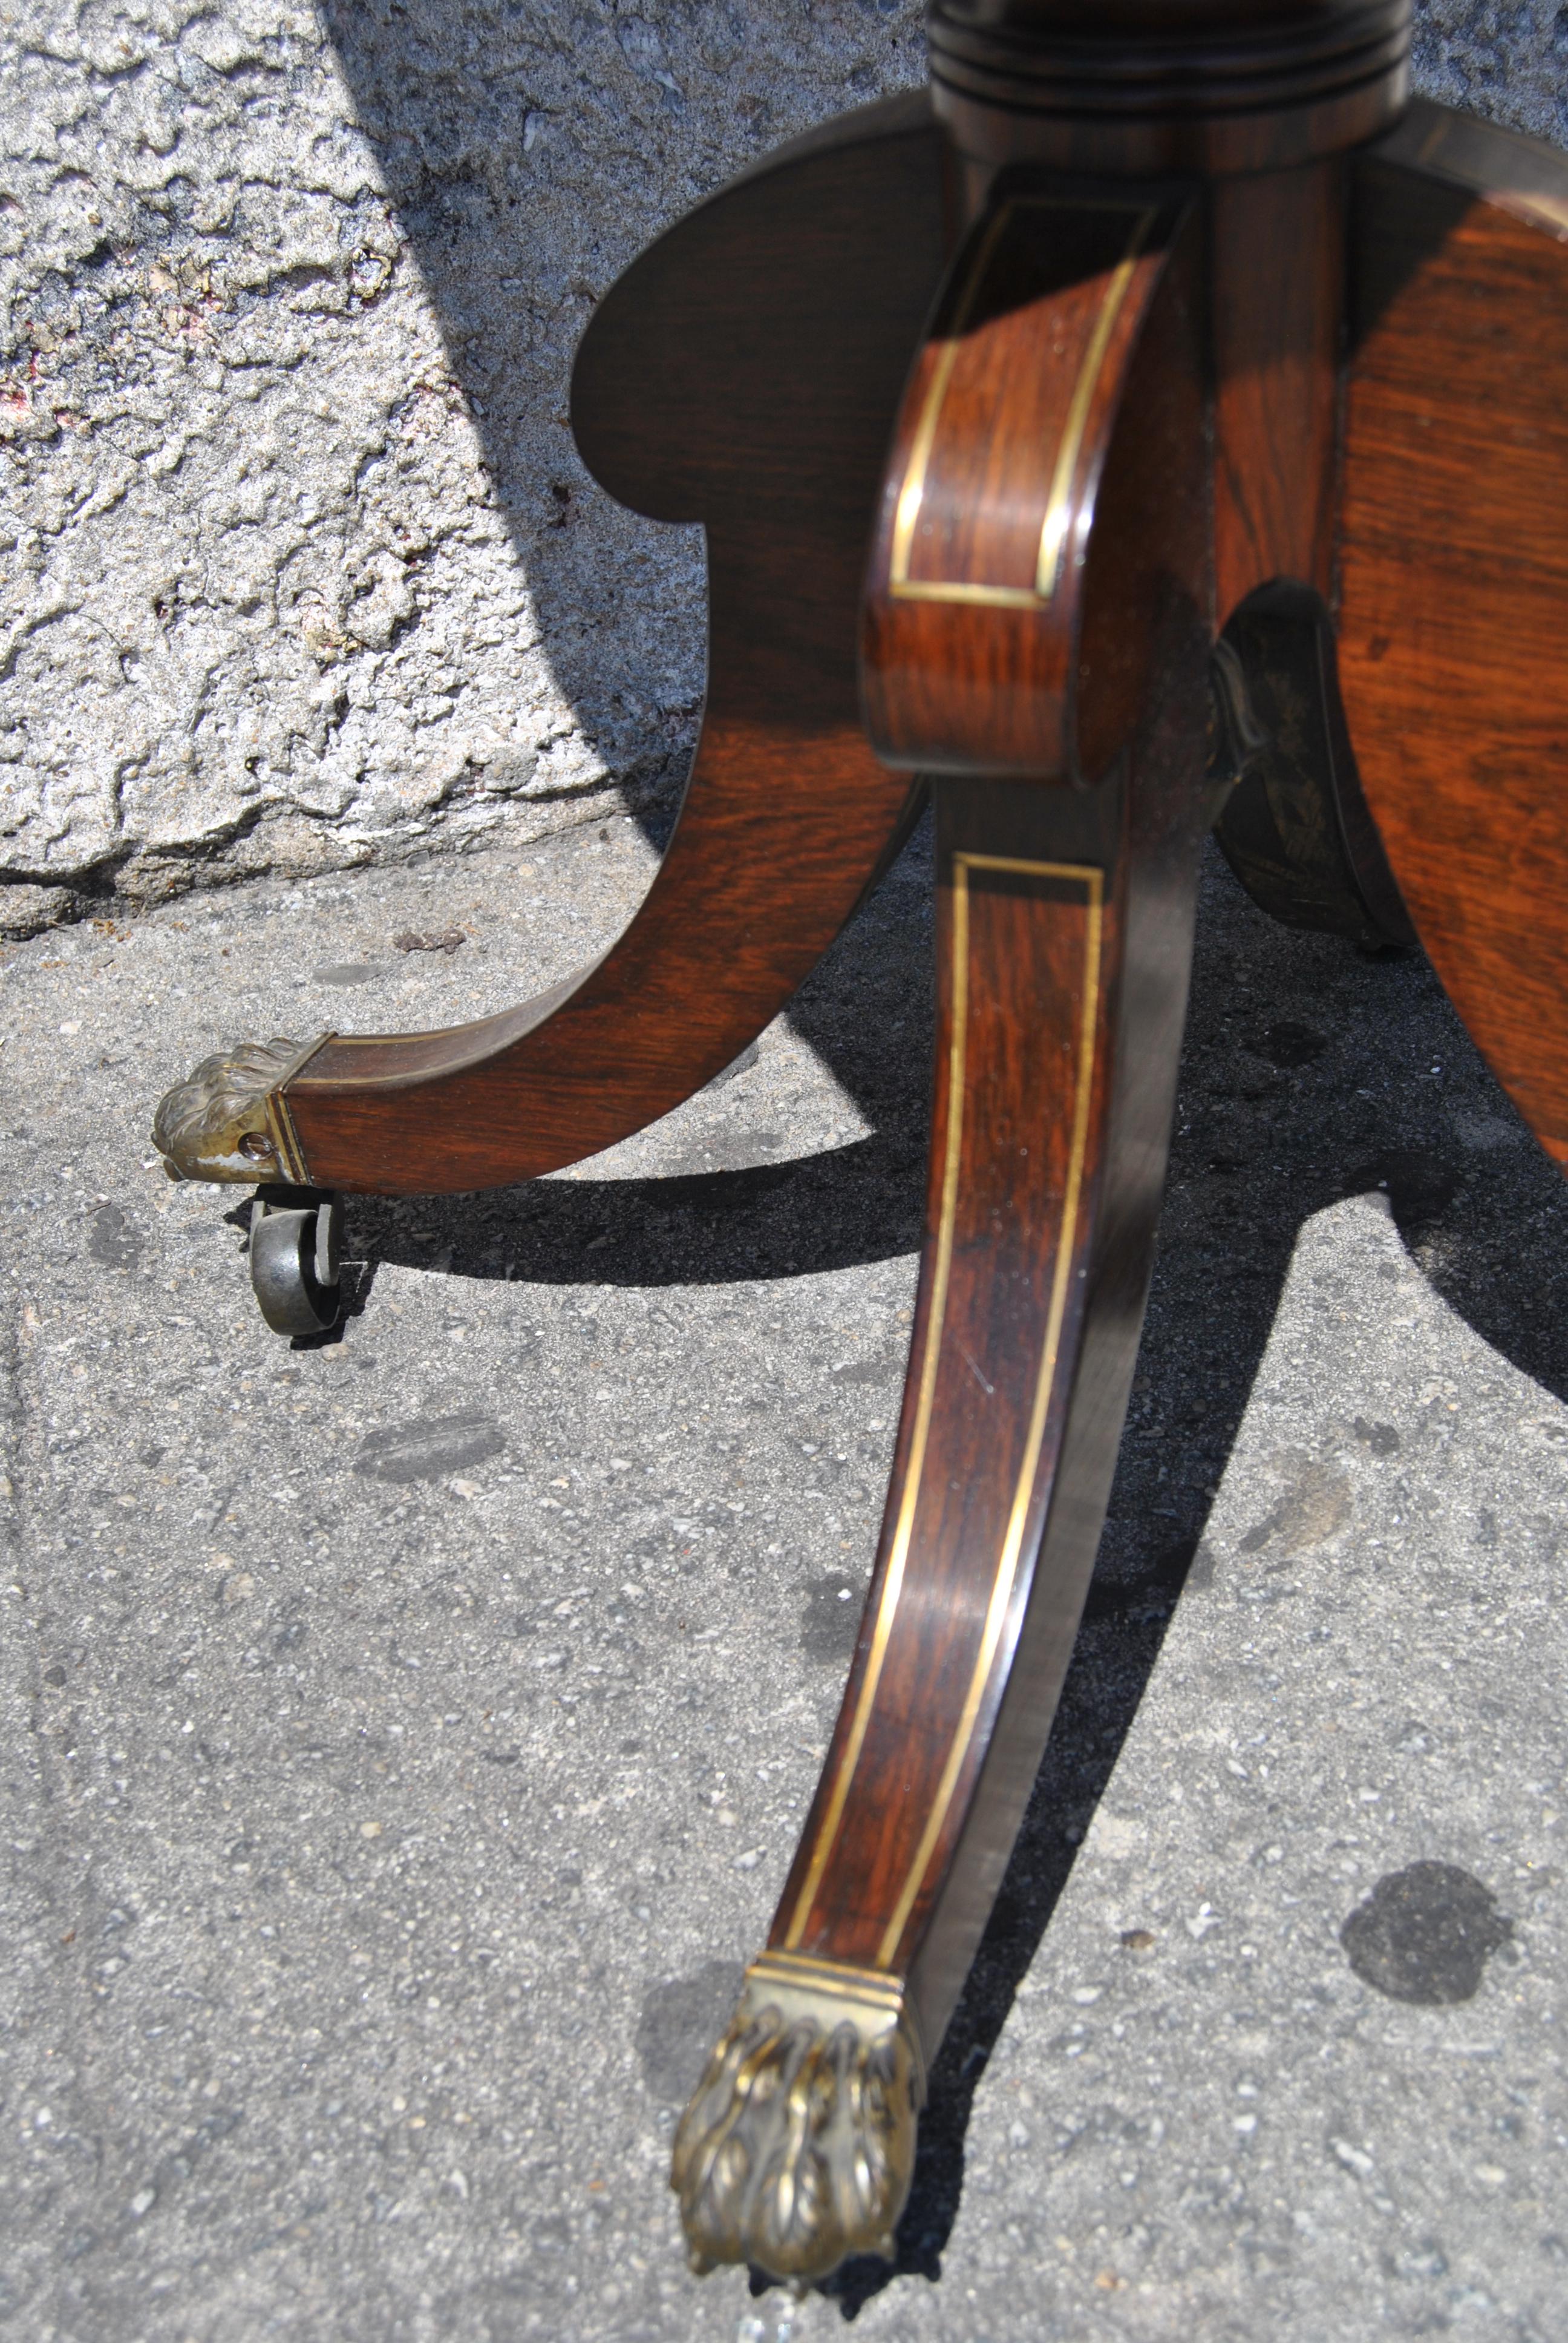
x=1064 y=933
x=1132 y=419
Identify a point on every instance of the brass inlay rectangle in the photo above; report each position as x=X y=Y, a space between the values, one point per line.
x=1093 y=883
x=914 y=486
x=1064 y=472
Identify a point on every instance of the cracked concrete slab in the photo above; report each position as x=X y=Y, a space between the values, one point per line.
x=403 y=1738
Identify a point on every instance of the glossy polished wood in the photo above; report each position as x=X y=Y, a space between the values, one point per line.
x=1454 y=563
x=1276 y=275
x=1043 y=584
x=1296 y=830
x=1064 y=927
x=1133 y=420
x=972 y=650
x=744 y=373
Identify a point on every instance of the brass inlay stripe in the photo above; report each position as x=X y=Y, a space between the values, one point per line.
x=402 y=1041
x=1012 y=1545
x=892 y=1585
x=981 y=597
x=1070 y=447
x=1058 y=509
x=914 y=488
x=919 y=1431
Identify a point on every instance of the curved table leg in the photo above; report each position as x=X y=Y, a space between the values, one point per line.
x=1064 y=936
x=1062 y=948
x=744 y=373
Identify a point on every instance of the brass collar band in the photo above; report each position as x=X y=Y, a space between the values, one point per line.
x=280 y=1123
x=873 y=2000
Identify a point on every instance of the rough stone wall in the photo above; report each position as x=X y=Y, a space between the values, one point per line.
x=300 y=565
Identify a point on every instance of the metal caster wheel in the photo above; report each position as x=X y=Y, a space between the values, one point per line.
x=296 y=1235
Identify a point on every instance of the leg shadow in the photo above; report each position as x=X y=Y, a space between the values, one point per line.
x=526 y=171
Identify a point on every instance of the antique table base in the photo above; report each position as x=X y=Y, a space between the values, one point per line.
x=1159 y=420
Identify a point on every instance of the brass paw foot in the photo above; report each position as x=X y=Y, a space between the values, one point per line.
x=798 y=2146
x=227 y=1120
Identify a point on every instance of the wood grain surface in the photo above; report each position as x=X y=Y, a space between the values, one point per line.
x=972 y=623
x=1065 y=919
x=1296 y=828
x=744 y=373
x=1276 y=263
x=1454 y=563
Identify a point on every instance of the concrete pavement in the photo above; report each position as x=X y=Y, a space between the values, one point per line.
x=403 y=1739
